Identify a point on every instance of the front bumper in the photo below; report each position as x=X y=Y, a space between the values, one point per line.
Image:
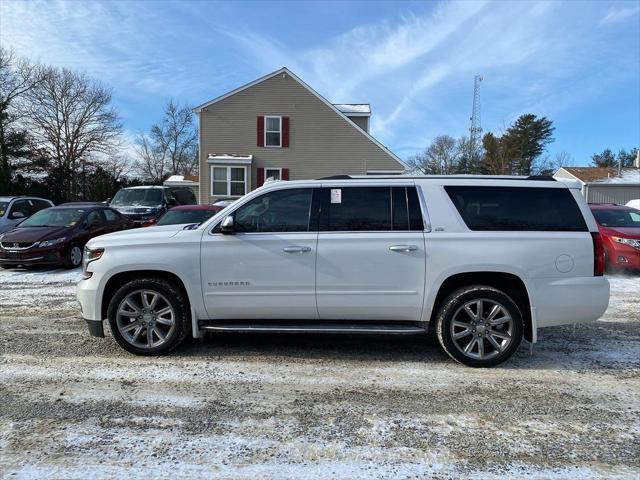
x=36 y=256
x=96 y=328
x=622 y=256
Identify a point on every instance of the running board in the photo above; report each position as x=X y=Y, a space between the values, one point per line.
x=303 y=327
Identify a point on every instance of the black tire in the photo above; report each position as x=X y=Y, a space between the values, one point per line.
x=453 y=308
x=71 y=259
x=172 y=295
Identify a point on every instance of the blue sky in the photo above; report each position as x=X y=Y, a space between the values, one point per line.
x=577 y=63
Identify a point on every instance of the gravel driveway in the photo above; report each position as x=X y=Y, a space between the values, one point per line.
x=280 y=406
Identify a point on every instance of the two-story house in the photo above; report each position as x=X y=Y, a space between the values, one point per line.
x=278 y=127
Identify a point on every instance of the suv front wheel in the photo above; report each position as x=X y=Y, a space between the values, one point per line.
x=149 y=316
x=479 y=326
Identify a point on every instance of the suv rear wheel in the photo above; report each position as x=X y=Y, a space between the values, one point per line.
x=479 y=326
x=149 y=316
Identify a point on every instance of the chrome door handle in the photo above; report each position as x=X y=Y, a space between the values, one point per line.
x=403 y=248
x=296 y=249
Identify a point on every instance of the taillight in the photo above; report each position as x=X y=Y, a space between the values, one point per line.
x=598 y=254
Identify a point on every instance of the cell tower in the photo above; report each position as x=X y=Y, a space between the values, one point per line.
x=475 y=132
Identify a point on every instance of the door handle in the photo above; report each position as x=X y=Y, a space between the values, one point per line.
x=296 y=249
x=403 y=248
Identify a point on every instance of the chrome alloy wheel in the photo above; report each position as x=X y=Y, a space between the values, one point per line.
x=482 y=329
x=145 y=319
x=75 y=255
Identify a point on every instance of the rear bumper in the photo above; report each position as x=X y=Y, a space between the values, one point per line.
x=569 y=300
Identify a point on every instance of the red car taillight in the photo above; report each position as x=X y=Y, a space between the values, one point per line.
x=598 y=254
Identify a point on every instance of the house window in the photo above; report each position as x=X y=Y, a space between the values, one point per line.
x=273 y=131
x=228 y=181
x=275 y=173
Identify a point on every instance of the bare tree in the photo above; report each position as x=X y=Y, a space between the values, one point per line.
x=441 y=157
x=74 y=125
x=152 y=163
x=171 y=146
x=17 y=78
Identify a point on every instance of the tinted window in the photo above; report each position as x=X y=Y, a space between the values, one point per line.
x=281 y=211
x=20 y=207
x=617 y=217
x=3 y=207
x=405 y=209
x=95 y=217
x=359 y=208
x=111 y=215
x=39 y=205
x=184 y=196
x=517 y=208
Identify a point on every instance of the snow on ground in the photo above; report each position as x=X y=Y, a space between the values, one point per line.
x=305 y=407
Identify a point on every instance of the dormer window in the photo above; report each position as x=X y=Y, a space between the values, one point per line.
x=273 y=131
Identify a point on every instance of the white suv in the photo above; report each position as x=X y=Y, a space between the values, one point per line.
x=482 y=260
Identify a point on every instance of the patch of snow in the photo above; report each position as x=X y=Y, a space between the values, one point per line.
x=40 y=276
x=347 y=108
x=629 y=175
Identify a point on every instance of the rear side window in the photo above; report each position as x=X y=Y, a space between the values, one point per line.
x=517 y=209
x=111 y=215
x=354 y=209
x=39 y=205
x=184 y=196
x=373 y=209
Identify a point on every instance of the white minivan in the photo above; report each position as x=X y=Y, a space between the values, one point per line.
x=484 y=261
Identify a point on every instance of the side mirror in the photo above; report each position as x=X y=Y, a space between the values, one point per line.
x=172 y=202
x=107 y=201
x=227 y=226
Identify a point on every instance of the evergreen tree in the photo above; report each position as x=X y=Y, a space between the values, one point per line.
x=525 y=141
x=604 y=159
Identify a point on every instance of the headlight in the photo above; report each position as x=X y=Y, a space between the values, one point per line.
x=627 y=241
x=51 y=243
x=90 y=255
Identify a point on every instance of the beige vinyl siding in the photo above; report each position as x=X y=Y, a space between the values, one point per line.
x=322 y=143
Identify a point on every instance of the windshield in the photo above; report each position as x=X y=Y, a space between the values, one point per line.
x=175 y=217
x=145 y=197
x=618 y=218
x=54 y=217
x=3 y=207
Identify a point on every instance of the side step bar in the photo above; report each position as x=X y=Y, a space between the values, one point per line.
x=304 y=327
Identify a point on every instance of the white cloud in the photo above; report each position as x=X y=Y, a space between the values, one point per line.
x=618 y=14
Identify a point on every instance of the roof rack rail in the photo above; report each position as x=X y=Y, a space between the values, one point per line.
x=336 y=177
x=544 y=178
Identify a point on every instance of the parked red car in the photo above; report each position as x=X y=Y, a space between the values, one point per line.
x=620 y=230
x=186 y=214
x=57 y=235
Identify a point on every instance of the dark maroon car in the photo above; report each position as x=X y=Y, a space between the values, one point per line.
x=57 y=235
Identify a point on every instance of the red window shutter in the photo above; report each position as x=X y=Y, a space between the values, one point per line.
x=285 y=132
x=260 y=179
x=261 y=131
x=285 y=173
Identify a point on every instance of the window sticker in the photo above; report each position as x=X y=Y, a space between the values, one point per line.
x=336 y=195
